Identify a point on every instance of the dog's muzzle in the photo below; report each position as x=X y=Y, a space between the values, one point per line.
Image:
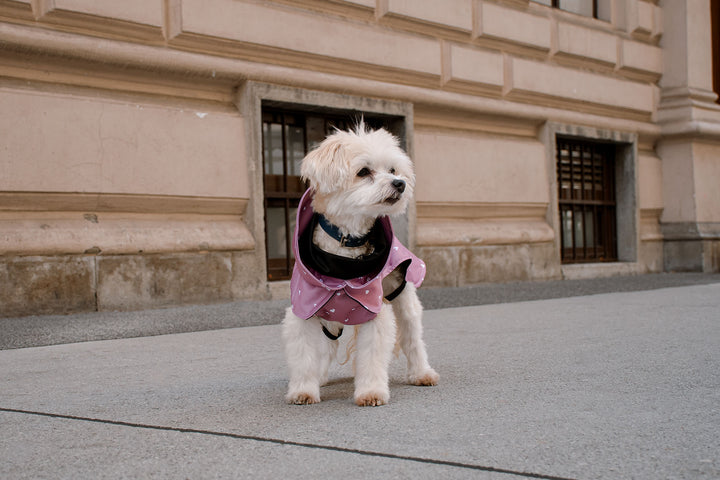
x=399 y=186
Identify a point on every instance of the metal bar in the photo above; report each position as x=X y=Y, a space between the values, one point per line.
x=265 y=201
x=558 y=155
x=572 y=172
x=583 y=250
x=558 y=160
x=596 y=229
x=581 y=164
x=283 y=135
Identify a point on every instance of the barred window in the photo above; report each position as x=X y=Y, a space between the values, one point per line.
x=587 y=200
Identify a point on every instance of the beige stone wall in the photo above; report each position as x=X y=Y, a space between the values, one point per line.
x=130 y=172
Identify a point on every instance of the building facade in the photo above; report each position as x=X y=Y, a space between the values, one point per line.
x=150 y=148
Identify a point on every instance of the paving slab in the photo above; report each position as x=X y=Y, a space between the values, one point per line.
x=620 y=385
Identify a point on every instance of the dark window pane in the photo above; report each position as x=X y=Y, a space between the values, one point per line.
x=273 y=148
x=276 y=233
x=296 y=149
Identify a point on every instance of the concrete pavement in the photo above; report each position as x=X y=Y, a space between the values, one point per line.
x=615 y=385
x=41 y=330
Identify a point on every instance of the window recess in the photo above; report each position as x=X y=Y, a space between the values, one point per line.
x=587 y=201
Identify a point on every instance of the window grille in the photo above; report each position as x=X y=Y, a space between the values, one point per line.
x=284 y=146
x=287 y=135
x=587 y=201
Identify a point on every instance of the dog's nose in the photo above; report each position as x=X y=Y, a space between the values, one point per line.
x=399 y=185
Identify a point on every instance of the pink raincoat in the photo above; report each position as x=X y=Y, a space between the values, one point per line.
x=350 y=302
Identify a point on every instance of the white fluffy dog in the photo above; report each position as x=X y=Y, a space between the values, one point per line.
x=351 y=270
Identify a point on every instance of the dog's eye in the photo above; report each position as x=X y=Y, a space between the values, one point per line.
x=392 y=171
x=364 y=172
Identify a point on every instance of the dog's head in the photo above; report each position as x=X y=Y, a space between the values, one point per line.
x=361 y=172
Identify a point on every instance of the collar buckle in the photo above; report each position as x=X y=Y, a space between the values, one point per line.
x=345 y=240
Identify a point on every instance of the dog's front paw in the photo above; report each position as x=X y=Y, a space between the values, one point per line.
x=427 y=378
x=372 y=399
x=302 y=398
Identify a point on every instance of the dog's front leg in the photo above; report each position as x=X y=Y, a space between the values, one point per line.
x=408 y=312
x=374 y=351
x=308 y=352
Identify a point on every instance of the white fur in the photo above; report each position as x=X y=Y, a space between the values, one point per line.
x=352 y=203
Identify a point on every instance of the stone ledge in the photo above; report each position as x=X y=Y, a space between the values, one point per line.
x=487 y=232
x=438 y=211
x=650 y=225
x=473 y=223
x=690 y=231
x=457 y=120
x=119 y=203
x=691 y=130
x=601 y=270
x=58 y=233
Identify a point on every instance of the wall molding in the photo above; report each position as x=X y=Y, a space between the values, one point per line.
x=68 y=233
x=109 y=56
x=480 y=210
x=459 y=120
x=476 y=224
x=116 y=203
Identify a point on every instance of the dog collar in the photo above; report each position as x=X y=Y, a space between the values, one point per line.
x=334 y=232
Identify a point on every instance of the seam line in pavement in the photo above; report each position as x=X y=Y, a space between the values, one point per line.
x=286 y=442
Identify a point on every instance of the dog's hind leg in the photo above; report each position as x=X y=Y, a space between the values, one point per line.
x=408 y=312
x=375 y=342
x=308 y=352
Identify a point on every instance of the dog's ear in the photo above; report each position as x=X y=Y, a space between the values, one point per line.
x=326 y=168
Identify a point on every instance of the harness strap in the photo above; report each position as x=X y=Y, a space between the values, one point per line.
x=330 y=335
x=392 y=296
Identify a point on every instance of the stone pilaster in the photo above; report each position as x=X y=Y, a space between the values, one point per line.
x=690 y=144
